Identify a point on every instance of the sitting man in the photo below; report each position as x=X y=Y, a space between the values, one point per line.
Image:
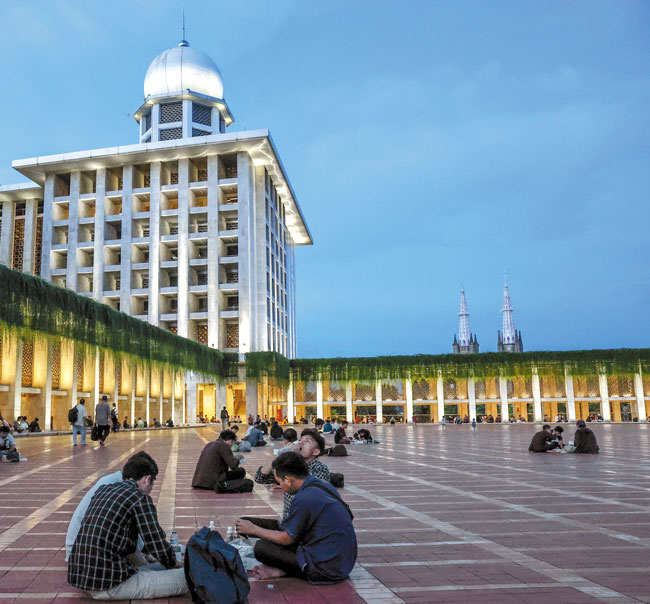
x=584 y=439
x=169 y=423
x=276 y=431
x=217 y=464
x=316 y=541
x=340 y=437
x=34 y=426
x=255 y=436
x=310 y=446
x=543 y=440
x=82 y=507
x=7 y=445
x=125 y=423
x=290 y=438
x=117 y=514
x=327 y=428
x=364 y=435
x=557 y=436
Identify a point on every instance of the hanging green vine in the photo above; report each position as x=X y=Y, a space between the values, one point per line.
x=623 y=361
x=30 y=305
x=267 y=364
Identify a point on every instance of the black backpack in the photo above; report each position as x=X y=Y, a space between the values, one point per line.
x=239 y=485
x=337 y=480
x=214 y=571
x=338 y=451
x=73 y=415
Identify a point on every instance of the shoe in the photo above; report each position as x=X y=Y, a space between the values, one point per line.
x=74 y=444
x=101 y=443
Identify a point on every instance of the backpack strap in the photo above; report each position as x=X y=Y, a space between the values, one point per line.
x=331 y=494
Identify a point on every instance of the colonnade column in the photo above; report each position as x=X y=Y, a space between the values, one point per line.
x=134 y=378
x=73 y=231
x=319 y=398
x=173 y=397
x=440 y=387
x=537 y=397
x=408 y=385
x=127 y=237
x=147 y=394
x=640 y=400
x=604 y=397
x=379 y=399
x=471 y=396
x=99 y=236
x=16 y=387
x=291 y=409
x=182 y=308
x=349 y=409
x=570 y=398
x=161 y=397
x=503 y=393
x=48 y=387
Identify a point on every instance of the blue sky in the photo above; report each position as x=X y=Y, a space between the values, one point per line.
x=427 y=142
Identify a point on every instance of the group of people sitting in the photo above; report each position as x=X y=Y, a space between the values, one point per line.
x=315 y=538
x=20 y=425
x=584 y=440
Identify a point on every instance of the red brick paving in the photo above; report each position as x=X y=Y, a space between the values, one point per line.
x=442 y=516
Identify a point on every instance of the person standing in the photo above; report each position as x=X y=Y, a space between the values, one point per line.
x=474 y=424
x=102 y=419
x=115 y=424
x=79 y=425
x=224 y=418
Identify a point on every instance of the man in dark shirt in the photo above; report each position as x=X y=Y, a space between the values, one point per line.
x=543 y=440
x=316 y=541
x=584 y=439
x=118 y=513
x=102 y=419
x=217 y=463
x=340 y=437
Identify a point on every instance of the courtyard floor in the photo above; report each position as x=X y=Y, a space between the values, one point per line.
x=441 y=515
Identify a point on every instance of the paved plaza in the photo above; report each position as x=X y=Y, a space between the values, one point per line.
x=441 y=515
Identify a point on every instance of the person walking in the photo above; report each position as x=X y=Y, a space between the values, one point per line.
x=224 y=418
x=474 y=424
x=443 y=422
x=102 y=419
x=79 y=425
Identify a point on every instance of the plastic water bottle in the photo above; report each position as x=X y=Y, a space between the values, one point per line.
x=230 y=535
x=173 y=540
x=212 y=527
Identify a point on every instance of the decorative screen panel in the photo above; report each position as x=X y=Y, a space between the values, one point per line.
x=19 y=242
x=201 y=114
x=392 y=390
x=171 y=134
x=232 y=336
x=147 y=121
x=171 y=112
x=28 y=363
x=202 y=334
x=336 y=391
x=79 y=365
x=364 y=391
x=56 y=365
x=199 y=132
x=101 y=373
x=38 y=247
x=421 y=390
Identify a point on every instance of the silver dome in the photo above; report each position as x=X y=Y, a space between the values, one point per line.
x=183 y=68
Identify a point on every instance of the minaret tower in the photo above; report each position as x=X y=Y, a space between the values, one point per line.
x=465 y=343
x=510 y=339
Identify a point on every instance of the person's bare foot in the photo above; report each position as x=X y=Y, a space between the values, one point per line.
x=264 y=572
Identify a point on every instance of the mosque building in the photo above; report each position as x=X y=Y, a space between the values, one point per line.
x=193 y=228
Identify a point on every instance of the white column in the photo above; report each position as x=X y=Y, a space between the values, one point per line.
x=73 y=231
x=46 y=243
x=116 y=387
x=440 y=387
x=90 y=407
x=147 y=395
x=408 y=386
x=319 y=398
x=537 y=397
x=503 y=392
x=183 y=248
x=349 y=409
x=187 y=119
x=31 y=212
x=18 y=379
x=173 y=395
x=604 y=397
x=252 y=393
x=570 y=398
x=134 y=379
x=640 y=400
x=184 y=400
x=161 y=397
x=291 y=409
x=7 y=237
x=154 y=243
x=48 y=387
x=95 y=393
x=246 y=245
x=258 y=263
x=471 y=395
x=213 y=251
x=127 y=233
x=379 y=401
x=98 y=244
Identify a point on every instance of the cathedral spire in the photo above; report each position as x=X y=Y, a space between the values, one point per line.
x=465 y=342
x=509 y=340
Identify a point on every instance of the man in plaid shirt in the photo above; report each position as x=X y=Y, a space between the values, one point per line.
x=310 y=446
x=118 y=513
